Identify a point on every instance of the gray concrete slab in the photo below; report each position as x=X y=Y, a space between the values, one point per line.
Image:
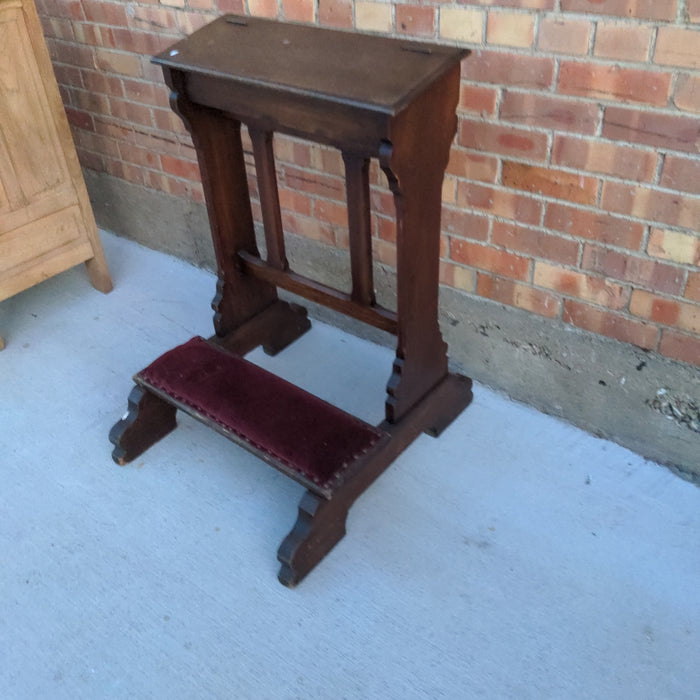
x=515 y=557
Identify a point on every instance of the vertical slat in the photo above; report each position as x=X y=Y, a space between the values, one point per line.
x=357 y=187
x=269 y=197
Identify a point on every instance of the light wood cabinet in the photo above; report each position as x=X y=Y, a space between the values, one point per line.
x=46 y=222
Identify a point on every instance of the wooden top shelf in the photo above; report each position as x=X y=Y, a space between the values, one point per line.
x=370 y=72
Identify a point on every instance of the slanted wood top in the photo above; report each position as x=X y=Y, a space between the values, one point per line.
x=372 y=72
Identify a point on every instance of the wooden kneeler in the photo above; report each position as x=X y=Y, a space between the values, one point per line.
x=332 y=88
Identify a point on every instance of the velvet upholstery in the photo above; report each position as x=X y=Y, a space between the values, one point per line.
x=306 y=434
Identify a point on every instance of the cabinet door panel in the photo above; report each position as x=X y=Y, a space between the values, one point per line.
x=46 y=223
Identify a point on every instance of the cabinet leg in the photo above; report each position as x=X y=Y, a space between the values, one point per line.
x=147 y=421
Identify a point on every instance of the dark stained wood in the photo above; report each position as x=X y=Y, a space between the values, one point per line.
x=376 y=315
x=321 y=523
x=217 y=141
x=279 y=325
x=360 y=227
x=269 y=197
x=414 y=159
x=370 y=97
x=148 y=420
x=345 y=68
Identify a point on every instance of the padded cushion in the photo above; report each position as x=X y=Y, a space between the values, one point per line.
x=304 y=433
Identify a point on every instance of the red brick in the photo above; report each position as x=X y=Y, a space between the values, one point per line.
x=335 y=13
x=139 y=156
x=612 y=325
x=295 y=201
x=504 y=68
x=687 y=94
x=568 y=36
x=386 y=229
x=384 y=252
x=668 y=312
x=643 y=9
x=677 y=47
x=577 y=284
x=692 y=7
x=519 y=4
x=510 y=28
x=472 y=166
x=598 y=226
x=666 y=131
x=331 y=212
x=681 y=174
x=314 y=183
x=534 y=243
x=464 y=224
x=600 y=157
x=57 y=28
x=611 y=82
x=382 y=201
x=89 y=101
x=500 y=262
x=478 y=100
x=71 y=9
x=652 y=205
x=682 y=248
x=641 y=272
x=69 y=76
x=236 y=7
x=263 y=8
x=180 y=168
x=548 y=112
x=521 y=296
x=95 y=35
x=417 y=20
x=117 y=62
x=113 y=13
x=498 y=202
x=299 y=10
x=692 y=288
x=457 y=276
x=144 y=43
x=78 y=118
x=130 y=112
x=190 y=22
x=487 y=137
x=152 y=18
x=165 y=183
x=308 y=227
x=681 y=347
x=71 y=54
x=550 y=183
x=623 y=42
x=87 y=159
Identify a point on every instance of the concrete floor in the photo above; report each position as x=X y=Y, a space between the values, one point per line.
x=515 y=557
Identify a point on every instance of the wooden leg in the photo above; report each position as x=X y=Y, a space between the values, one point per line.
x=320 y=524
x=414 y=162
x=147 y=421
x=217 y=140
x=319 y=527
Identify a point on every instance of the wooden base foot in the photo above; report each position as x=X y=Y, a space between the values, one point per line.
x=278 y=326
x=319 y=526
x=457 y=395
x=147 y=421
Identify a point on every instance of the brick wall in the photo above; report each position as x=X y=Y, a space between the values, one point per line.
x=573 y=189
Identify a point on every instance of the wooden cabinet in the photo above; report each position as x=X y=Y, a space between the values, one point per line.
x=46 y=222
